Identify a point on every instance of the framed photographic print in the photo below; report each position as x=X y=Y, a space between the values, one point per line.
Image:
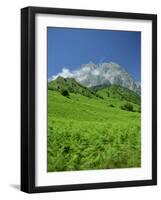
x=88 y=99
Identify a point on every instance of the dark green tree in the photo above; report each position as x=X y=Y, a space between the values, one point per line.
x=128 y=107
x=65 y=93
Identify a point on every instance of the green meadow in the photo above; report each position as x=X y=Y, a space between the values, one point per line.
x=96 y=128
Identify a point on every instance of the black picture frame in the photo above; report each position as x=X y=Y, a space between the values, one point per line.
x=28 y=98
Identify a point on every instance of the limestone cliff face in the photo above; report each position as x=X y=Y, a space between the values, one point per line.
x=106 y=74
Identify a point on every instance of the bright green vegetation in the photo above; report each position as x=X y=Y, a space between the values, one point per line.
x=118 y=92
x=70 y=85
x=88 y=129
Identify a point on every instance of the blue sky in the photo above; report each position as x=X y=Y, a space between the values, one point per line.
x=70 y=48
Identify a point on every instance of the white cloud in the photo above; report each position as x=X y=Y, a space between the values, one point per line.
x=91 y=73
x=66 y=73
x=79 y=74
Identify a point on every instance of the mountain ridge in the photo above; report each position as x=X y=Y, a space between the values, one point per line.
x=70 y=85
x=111 y=73
x=119 y=92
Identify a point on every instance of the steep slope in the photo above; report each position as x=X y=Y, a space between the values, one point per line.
x=117 y=92
x=100 y=91
x=71 y=85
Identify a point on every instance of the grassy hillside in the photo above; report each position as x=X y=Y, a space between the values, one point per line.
x=117 y=92
x=69 y=84
x=91 y=133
